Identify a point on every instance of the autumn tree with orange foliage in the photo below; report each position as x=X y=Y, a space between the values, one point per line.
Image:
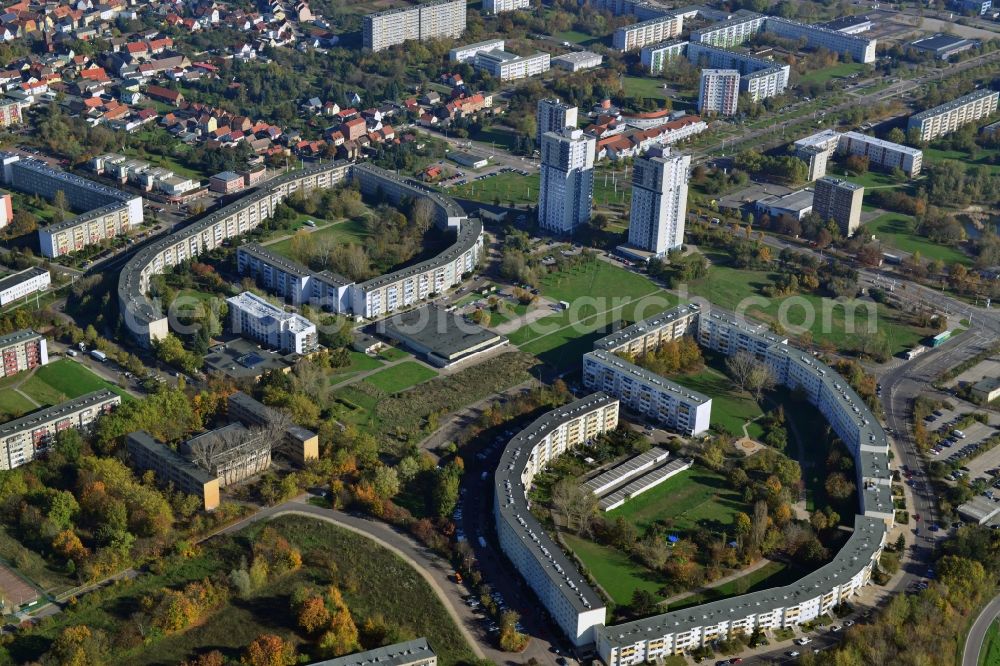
x=269 y=650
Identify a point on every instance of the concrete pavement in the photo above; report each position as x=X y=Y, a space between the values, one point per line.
x=974 y=641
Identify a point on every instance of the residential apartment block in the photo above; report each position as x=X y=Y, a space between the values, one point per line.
x=817 y=149
x=409 y=653
x=564 y=592
x=371 y=298
x=507 y=66
x=253 y=317
x=860 y=49
x=110 y=213
x=656 y=56
x=566 y=189
x=442 y=18
x=760 y=78
x=652 y=31
x=659 y=636
x=882 y=153
x=10 y=113
x=741 y=29
x=552 y=116
x=665 y=402
x=840 y=201
x=730 y=33
x=232 y=453
x=23 y=439
x=719 y=91
x=500 y=6
x=300 y=443
x=23 y=284
x=947 y=118
x=468 y=52
x=659 y=201
x=170 y=467
x=22 y=350
x=292 y=281
x=6 y=209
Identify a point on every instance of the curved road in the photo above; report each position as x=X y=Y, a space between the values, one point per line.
x=432 y=567
x=974 y=641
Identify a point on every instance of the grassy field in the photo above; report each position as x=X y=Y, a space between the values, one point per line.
x=513 y=188
x=359 y=363
x=599 y=295
x=870 y=180
x=982 y=157
x=772 y=574
x=731 y=408
x=401 y=376
x=613 y=570
x=730 y=288
x=839 y=71
x=13 y=404
x=893 y=229
x=694 y=498
x=347 y=231
x=373 y=580
x=989 y=654
x=63 y=380
x=641 y=86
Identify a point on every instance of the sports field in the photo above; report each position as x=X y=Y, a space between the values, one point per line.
x=401 y=376
x=731 y=408
x=838 y=71
x=59 y=381
x=694 y=498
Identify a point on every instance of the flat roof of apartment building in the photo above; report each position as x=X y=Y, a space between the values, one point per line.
x=47 y=414
x=855 y=554
x=641 y=328
x=169 y=457
x=398 y=654
x=17 y=278
x=955 y=103
x=513 y=506
x=651 y=378
x=18 y=336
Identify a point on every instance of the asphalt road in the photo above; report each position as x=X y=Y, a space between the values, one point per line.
x=974 y=641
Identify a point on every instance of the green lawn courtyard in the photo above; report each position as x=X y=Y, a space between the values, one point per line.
x=614 y=570
x=693 y=498
x=731 y=408
x=610 y=186
x=345 y=231
x=894 y=229
x=401 y=376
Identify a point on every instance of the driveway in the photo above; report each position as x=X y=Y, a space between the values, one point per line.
x=974 y=641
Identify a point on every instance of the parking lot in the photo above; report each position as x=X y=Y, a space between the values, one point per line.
x=962 y=442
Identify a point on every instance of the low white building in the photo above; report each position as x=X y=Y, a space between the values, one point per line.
x=27 y=282
x=578 y=60
x=255 y=318
x=468 y=52
x=509 y=66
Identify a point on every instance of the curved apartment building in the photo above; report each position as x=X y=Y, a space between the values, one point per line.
x=681 y=631
x=147 y=322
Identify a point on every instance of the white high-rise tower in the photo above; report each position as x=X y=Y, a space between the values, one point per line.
x=552 y=116
x=659 y=201
x=566 y=192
